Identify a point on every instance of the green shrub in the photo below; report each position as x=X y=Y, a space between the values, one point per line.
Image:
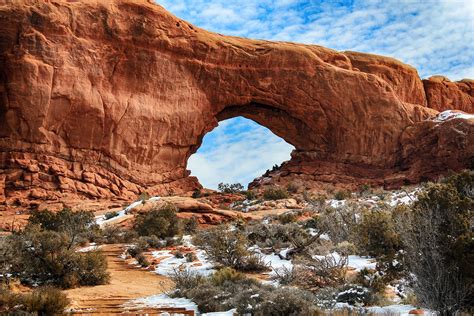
x=45 y=257
x=110 y=215
x=72 y=224
x=376 y=234
x=342 y=195
x=196 y=194
x=161 y=222
x=438 y=243
x=250 y=195
x=226 y=275
x=355 y=295
x=224 y=246
x=371 y=279
x=190 y=225
x=230 y=188
x=288 y=217
x=275 y=193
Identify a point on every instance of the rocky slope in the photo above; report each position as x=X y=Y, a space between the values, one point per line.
x=105 y=99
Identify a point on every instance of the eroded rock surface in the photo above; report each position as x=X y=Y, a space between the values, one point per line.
x=106 y=99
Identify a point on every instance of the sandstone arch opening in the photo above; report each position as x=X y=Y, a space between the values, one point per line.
x=237 y=150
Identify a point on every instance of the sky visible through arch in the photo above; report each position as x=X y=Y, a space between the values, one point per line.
x=434 y=36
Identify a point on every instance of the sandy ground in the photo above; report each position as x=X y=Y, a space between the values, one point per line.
x=127 y=282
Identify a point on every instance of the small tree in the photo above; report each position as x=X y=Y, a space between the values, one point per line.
x=438 y=240
x=161 y=222
x=230 y=188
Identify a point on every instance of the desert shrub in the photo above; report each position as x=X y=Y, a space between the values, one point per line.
x=45 y=257
x=293 y=187
x=161 y=222
x=354 y=294
x=111 y=214
x=250 y=195
x=371 y=279
x=286 y=301
x=438 y=242
x=230 y=188
x=342 y=195
x=275 y=193
x=72 y=224
x=112 y=234
x=190 y=225
x=46 y=301
x=227 y=247
x=339 y=223
x=196 y=194
x=142 y=260
x=191 y=257
x=227 y=289
x=315 y=203
x=92 y=268
x=285 y=276
x=226 y=275
x=376 y=234
x=253 y=263
x=144 y=196
x=288 y=217
x=178 y=254
x=315 y=273
x=364 y=189
x=42 y=301
x=346 y=248
x=185 y=279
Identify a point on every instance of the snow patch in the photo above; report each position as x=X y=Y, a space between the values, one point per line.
x=450 y=114
x=162 y=301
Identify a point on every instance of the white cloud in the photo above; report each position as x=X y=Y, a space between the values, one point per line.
x=238 y=151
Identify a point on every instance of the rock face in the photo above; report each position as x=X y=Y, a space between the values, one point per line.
x=105 y=99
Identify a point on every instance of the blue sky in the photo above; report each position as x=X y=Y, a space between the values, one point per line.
x=437 y=37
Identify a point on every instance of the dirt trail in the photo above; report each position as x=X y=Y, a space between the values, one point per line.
x=127 y=282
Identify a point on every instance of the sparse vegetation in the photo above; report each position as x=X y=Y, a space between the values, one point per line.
x=275 y=193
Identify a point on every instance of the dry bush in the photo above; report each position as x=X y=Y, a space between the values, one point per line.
x=275 y=193
x=438 y=242
x=339 y=223
x=229 y=248
x=42 y=301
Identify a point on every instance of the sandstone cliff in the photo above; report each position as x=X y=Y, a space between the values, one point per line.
x=105 y=99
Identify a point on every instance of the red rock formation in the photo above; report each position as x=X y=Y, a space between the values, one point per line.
x=442 y=94
x=105 y=99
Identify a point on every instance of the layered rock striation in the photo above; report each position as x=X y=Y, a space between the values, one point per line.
x=106 y=99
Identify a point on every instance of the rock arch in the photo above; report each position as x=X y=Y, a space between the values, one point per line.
x=108 y=98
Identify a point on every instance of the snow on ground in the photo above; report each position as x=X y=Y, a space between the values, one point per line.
x=169 y=263
x=356 y=262
x=162 y=301
x=450 y=114
x=336 y=203
x=360 y=263
x=91 y=247
x=403 y=197
x=273 y=260
x=228 y=313
x=101 y=221
x=402 y=310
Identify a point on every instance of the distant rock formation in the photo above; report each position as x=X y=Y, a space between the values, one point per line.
x=106 y=99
